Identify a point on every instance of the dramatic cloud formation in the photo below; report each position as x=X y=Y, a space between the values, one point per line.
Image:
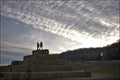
x=61 y=25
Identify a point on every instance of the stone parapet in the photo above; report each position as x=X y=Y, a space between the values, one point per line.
x=40 y=52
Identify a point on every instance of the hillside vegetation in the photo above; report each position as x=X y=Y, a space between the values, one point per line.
x=110 y=52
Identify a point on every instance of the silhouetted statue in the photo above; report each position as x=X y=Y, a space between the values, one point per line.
x=37 y=45
x=41 y=45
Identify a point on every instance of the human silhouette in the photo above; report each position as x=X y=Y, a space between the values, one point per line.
x=41 y=45
x=37 y=45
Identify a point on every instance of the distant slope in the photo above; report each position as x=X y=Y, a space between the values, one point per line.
x=110 y=52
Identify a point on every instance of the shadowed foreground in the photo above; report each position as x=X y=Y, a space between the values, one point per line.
x=102 y=70
x=42 y=66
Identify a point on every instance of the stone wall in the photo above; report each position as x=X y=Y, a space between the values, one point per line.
x=41 y=65
x=45 y=75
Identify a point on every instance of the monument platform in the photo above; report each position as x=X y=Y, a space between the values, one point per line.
x=42 y=66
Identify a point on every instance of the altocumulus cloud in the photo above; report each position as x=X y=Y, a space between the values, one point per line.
x=69 y=24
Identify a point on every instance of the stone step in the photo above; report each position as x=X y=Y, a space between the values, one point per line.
x=46 y=75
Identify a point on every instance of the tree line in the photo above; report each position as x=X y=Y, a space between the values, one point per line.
x=110 y=52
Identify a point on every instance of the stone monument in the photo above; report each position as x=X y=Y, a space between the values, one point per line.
x=42 y=66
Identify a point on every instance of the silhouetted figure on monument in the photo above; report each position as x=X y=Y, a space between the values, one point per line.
x=41 y=45
x=37 y=45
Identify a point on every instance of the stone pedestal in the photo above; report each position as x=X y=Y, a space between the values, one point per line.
x=41 y=65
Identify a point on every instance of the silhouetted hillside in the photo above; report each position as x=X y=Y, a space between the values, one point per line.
x=110 y=52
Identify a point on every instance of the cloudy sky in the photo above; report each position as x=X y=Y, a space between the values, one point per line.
x=61 y=25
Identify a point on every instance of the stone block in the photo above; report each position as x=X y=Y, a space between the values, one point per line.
x=18 y=68
x=59 y=74
x=40 y=52
x=17 y=62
